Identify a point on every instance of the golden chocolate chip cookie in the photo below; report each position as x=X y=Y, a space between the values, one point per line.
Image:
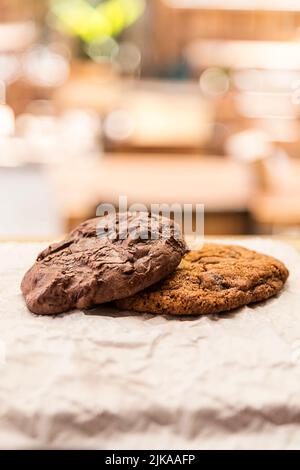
x=215 y=279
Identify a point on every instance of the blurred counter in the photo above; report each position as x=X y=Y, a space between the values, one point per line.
x=222 y=185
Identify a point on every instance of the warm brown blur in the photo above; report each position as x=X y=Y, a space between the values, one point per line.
x=166 y=101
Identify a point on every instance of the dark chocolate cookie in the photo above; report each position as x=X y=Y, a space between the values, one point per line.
x=91 y=267
x=212 y=280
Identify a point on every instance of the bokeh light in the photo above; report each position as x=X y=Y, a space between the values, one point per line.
x=129 y=58
x=214 y=81
x=44 y=67
x=119 y=125
x=102 y=49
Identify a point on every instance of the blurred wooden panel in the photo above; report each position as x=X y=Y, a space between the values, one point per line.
x=18 y=10
x=215 y=223
x=227 y=223
x=222 y=185
x=278 y=206
x=176 y=28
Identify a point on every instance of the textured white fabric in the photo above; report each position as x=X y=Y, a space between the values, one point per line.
x=103 y=379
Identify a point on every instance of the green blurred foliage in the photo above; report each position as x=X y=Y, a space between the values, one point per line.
x=91 y=21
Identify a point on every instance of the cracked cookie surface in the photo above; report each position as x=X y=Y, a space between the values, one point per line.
x=86 y=269
x=215 y=279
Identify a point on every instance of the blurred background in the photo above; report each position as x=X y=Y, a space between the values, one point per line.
x=164 y=101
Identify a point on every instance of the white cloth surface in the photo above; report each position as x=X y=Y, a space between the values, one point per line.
x=109 y=379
